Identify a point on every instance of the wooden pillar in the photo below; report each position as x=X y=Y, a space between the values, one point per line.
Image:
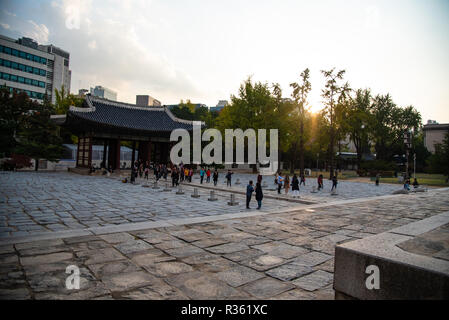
x=78 y=153
x=117 y=154
x=111 y=155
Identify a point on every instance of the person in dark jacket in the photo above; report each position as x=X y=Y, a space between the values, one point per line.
x=215 y=177
x=249 y=192
x=295 y=186
x=259 y=195
x=334 y=183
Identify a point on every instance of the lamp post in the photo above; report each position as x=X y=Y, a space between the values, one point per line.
x=408 y=146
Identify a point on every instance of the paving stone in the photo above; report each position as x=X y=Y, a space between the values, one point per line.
x=15 y=294
x=314 y=281
x=185 y=251
x=209 y=242
x=266 y=288
x=289 y=272
x=163 y=269
x=128 y=281
x=46 y=258
x=281 y=250
x=115 y=238
x=263 y=262
x=228 y=248
x=295 y=294
x=132 y=246
x=244 y=254
x=156 y=291
x=312 y=259
x=239 y=275
x=99 y=256
x=203 y=286
x=201 y=258
x=109 y=268
x=190 y=235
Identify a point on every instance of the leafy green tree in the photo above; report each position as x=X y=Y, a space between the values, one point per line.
x=38 y=135
x=359 y=121
x=300 y=115
x=333 y=93
x=64 y=100
x=389 y=125
x=13 y=107
x=257 y=107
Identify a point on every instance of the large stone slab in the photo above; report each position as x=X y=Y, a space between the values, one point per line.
x=203 y=286
x=403 y=274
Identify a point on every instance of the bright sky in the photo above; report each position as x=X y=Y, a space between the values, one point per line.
x=203 y=49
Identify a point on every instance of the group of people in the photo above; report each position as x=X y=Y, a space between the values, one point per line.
x=407 y=184
x=259 y=193
x=284 y=182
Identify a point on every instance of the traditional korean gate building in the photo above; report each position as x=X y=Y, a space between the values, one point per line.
x=102 y=121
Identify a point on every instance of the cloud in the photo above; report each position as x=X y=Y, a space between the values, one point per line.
x=5 y=25
x=117 y=56
x=38 y=32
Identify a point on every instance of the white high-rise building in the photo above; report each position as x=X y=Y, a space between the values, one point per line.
x=103 y=92
x=35 y=69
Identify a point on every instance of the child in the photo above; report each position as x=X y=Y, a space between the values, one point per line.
x=249 y=192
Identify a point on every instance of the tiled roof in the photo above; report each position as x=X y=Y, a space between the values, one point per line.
x=123 y=115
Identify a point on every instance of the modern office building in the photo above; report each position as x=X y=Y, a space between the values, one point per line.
x=147 y=101
x=103 y=92
x=35 y=69
x=434 y=133
x=220 y=105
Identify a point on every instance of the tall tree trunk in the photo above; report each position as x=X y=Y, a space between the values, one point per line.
x=301 y=149
x=292 y=162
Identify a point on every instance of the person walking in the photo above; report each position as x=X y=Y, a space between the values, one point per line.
x=295 y=186
x=249 y=192
x=215 y=177
x=377 y=179
x=181 y=172
x=415 y=183
x=287 y=184
x=320 y=182
x=208 y=175
x=147 y=170
x=229 y=178
x=259 y=195
x=303 y=180
x=190 y=175
x=334 y=182
x=280 y=181
x=201 y=175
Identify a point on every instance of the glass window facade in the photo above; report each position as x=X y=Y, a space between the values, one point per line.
x=22 y=67
x=23 y=55
x=12 y=77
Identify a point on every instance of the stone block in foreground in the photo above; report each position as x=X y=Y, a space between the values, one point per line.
x=413 y=263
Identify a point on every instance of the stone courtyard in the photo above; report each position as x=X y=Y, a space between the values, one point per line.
x=132 y=242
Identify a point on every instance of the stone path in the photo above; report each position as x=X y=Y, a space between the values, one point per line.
x=345 y=189
x=273 y=256
x=33 y=203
